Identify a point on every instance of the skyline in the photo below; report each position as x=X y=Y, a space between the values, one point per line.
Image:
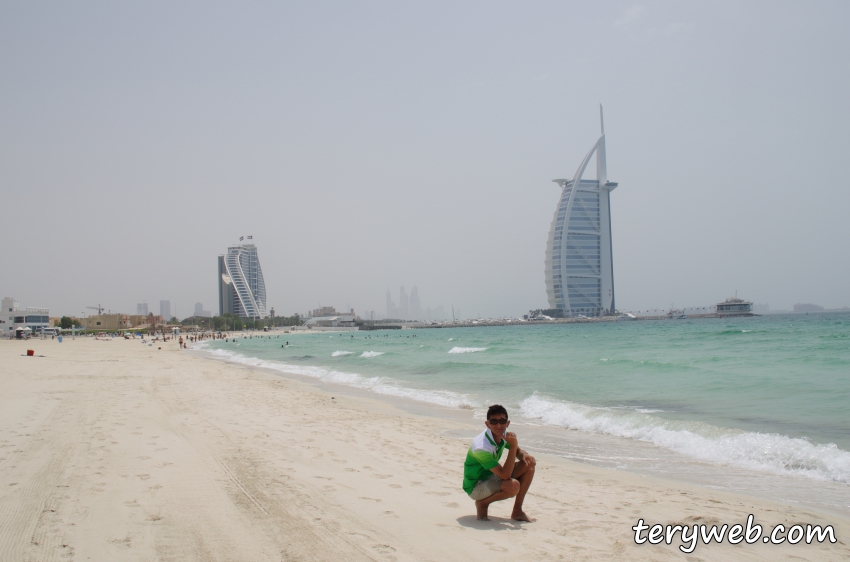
x=370 y=156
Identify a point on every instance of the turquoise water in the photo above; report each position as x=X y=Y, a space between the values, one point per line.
x=764 y=394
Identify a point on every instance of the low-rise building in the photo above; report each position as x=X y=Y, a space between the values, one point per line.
x=343 y=321
x=735 y=307
x=329 y=311
x=112 y=322
x=108 y=322
x=14 y=317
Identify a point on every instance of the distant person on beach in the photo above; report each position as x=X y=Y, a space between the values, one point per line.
x=484 y=479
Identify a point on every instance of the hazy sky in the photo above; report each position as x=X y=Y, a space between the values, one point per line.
x=368 y=145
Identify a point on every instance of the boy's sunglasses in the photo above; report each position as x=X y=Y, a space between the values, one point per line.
x=500 y=421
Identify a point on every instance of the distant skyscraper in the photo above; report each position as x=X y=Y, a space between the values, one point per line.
x=415 y=304
x=403 y=304
x=241 y=288
x=142 y=309
x=579 y=267
x=165 y=309
x=390 y=305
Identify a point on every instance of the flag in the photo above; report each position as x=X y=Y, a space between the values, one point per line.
x=250 y=238
x=240 y=238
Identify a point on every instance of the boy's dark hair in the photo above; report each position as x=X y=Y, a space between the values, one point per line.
x=496 y=409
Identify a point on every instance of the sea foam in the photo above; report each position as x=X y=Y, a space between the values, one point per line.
x=372 y=353
x=467 y=349
x=379 y=385
x=770 y=452
x=341 y=353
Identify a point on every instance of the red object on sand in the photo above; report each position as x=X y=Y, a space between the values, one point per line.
x=30 y=352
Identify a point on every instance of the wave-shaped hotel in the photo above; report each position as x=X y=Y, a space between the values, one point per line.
x=241 y=288
x=579 y=265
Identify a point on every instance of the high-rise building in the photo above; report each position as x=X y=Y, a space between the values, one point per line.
x=579 y=267
x=391 y=308
x=403 y=304
x=165 y=309
x=142 y=309
x=415 y=304
x=241 y=288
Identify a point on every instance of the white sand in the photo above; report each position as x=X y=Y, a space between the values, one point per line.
x=115 y=451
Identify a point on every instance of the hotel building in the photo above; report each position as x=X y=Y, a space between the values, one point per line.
x=241 y=288
x=14 y=317
x=579 y=266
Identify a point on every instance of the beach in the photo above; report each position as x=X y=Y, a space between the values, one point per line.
x=115 y=450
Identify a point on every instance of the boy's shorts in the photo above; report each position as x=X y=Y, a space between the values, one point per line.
x=486 y=488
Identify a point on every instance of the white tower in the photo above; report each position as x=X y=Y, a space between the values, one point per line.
x=579 y=266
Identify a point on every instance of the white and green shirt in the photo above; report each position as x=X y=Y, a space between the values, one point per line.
x=483 y=455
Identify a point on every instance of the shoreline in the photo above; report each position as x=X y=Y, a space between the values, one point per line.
x=125 y=452
x=592 y=449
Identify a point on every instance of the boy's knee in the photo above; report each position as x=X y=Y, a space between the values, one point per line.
x=512 y=486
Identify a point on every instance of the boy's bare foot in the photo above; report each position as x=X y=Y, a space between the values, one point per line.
x=481 y=508
x=521 y=516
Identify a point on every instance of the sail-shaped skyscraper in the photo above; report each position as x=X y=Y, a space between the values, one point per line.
x=579 y=265
x=241 y=288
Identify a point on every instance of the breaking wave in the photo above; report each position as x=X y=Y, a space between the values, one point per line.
x=379 y=385
x=341 y=353
x=371 y=353
x=467 y=349
x=770 y=452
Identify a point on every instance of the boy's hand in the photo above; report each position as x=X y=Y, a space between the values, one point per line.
x=510 y=437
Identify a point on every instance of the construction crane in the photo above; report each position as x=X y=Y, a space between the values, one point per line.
x=98 y=308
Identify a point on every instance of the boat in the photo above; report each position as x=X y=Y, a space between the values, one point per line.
x=676 y=314
x=627 y=316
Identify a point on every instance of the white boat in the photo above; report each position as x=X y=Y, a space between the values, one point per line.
x=676 y=314
x=627 y=316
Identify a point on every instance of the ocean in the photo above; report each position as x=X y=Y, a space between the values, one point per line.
x=756 y=405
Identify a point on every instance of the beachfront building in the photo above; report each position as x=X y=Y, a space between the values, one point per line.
x=579 y=267
x=14 y=318
x=241 y=288
x=735 y=307
x=115 y=322
x=342 y=321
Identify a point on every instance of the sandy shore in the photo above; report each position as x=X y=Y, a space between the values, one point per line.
x=117 y=451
